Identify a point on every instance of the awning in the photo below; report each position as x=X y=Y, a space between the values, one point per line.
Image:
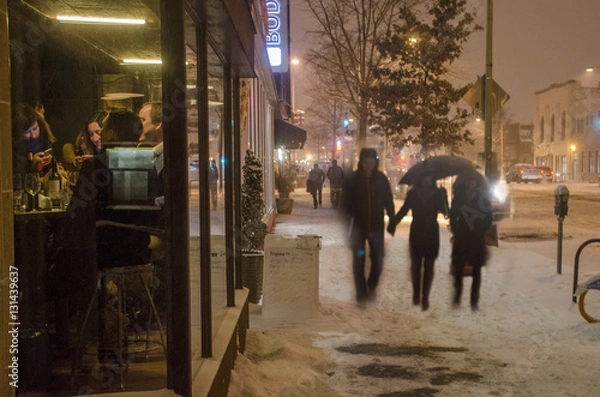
x=288 y=135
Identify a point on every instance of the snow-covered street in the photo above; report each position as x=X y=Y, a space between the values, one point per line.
x=528 y=338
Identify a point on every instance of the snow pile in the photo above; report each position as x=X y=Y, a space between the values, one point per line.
x=281 y=363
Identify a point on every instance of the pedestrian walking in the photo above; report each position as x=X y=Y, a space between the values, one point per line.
x=366 y=194
x=213 y=177
x=314 y=184
x=470 y=219
x=335 y=174
x=425 y=200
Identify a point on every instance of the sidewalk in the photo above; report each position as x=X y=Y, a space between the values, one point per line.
x=527 y=339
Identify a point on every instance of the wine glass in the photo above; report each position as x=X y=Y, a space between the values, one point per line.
x=17 y=192
x=33 y=185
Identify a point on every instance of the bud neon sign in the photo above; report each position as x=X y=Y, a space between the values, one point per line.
x=277 y=35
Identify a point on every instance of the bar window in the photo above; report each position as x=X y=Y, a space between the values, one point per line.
x=86 y=93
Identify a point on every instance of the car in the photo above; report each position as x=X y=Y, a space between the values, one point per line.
x=538 y=174
x=515 y=171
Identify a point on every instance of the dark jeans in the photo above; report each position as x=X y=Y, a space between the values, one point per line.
x=317 y=195
x=468 y=251
x=213 y=196
x=366 y=287
x=458 y=284
x=336 y=196
x=416 y=262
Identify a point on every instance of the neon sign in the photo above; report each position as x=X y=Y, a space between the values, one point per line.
x=277 y=35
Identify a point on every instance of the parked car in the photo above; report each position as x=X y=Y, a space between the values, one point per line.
x=538 y=174
x=514 y=172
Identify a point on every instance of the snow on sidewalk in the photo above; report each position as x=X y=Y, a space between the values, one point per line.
x=528 y=339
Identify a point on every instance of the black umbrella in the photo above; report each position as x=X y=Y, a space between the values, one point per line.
x=437 y=167
x=463 y=180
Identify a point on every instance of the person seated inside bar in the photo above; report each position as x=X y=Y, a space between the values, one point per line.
x=32 y=137
x=109 y=244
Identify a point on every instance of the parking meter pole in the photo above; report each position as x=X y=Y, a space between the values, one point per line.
x=559 y=249
x=561 y=209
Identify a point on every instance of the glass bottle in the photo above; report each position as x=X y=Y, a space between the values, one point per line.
x=54 y=186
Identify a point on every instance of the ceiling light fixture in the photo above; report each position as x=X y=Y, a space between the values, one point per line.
x=108 y=21
x=142 y=62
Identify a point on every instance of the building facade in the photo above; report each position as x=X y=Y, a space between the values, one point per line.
x=205 y=63
x=567 y=131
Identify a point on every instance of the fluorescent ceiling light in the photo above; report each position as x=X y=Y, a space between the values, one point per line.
x=111 y=21
x=143 y=61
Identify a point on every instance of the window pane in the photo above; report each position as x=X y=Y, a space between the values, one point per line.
x=89 y=244
x=216 y=139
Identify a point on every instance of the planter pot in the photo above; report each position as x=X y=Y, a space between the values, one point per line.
x=285 y=205
x=252 y=274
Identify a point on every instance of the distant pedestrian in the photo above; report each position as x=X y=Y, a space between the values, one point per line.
x=316 y=177
x=366 y=194
x=425 y=200
x=213 y=178
x=470 y=219
x=335 y=174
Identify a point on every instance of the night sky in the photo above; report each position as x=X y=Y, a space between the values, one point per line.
x=536 y=43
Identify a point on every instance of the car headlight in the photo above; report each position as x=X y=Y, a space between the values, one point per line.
x=499 y=192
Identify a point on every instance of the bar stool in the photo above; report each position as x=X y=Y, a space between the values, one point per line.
x=119 y=275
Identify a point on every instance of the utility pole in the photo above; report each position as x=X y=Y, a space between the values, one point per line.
x=488 y=90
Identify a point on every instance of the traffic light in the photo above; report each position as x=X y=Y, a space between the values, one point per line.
x=338 y=145
x=345 y=122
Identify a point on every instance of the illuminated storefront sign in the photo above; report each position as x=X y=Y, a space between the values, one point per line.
x=277 y=36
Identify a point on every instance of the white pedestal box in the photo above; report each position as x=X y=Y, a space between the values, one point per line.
x=291 y=276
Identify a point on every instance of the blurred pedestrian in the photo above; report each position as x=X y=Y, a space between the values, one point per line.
x=213 y=178
x=316 y=177
x=425 y=200
x=366 y=194
x=470 y=219
x=335 y=174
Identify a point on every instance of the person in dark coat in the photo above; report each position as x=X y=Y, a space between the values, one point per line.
x=314 y=184
x=213 y=177
x=425 y=200
x=335 y=174
x=470 y=219
x=366 y=194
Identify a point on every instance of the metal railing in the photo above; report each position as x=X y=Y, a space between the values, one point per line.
x=576 y=268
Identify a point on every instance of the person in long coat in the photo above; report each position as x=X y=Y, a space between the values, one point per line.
x=425 y=200
x=314 y=185
x=470 y=219
x=365 y=196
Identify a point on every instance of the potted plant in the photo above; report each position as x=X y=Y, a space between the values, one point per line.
x=254 y=229
x=285 y=178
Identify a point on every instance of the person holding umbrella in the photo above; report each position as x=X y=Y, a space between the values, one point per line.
x=425 y=200
x=470 y=219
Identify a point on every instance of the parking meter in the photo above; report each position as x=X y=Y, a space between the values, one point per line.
x=561 y=200
x=561 y=208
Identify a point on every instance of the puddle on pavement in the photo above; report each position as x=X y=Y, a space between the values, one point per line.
x=422 y=392
x=378 y=349
x=436 y=376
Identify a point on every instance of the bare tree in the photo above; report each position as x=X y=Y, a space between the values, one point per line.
x=344 y=52
x=326 y=115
